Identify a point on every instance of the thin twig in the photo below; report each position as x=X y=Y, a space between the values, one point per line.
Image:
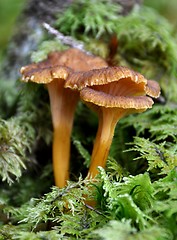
x=65 y=39
x=93 y=209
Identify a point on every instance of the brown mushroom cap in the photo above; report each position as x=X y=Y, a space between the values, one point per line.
x=152 y=89
x=108 y=101
x=80 y=61
x=60 y=65
x=44 y=75
x=115 y=87
x=103 y=76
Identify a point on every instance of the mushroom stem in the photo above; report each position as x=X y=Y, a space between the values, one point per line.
x=107 y=122
x=61 y=153
x=63 y=103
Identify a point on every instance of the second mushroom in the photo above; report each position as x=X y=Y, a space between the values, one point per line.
x=113 y=92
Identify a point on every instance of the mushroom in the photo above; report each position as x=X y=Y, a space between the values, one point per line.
x=113 y=92
x=54 y=72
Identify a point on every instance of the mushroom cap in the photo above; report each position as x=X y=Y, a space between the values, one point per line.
x=80 y=61
x=102 y=99
x=103 y=76
x=44 y=75
x=152 y=89
x=115 y=87
x=60 y=65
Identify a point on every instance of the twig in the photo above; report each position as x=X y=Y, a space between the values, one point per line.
x=93 y=209
x=65 y=39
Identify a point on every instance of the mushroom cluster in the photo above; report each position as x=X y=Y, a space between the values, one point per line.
x=113 y=92
x=54 y=72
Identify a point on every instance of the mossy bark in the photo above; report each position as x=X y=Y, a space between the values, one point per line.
x=28 y=33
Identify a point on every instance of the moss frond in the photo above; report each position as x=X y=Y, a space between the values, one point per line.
x=124 y=200
x=123 y=230
x=8 y=98
x=92 y=20
x=82 y=151
x=144 y=34
x=34 y=102
x=159 y=123
x=13 y=146
x=159 y=156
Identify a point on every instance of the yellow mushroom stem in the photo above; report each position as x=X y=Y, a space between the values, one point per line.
x=63 y=103
x=108 y=119
x=113 y=92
